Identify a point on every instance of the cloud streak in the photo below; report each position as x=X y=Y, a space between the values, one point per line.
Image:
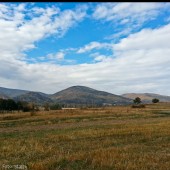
x=94 y=45
x=128 y=12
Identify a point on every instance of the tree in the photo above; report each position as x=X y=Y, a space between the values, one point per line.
x=1 y=105
x=25 y=106
x=137 y=100
x=11 y=105
x=20 y=105
x=46 y=107
x=56 y=106
x=155 y=100
x=8 y=105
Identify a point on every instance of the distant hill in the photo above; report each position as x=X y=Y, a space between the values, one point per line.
x=89 y=96
x=147 y=97
x=11 y=92
x=36 y=97
x=24 y=95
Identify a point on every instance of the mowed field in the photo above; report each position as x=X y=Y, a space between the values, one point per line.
x=112 y=138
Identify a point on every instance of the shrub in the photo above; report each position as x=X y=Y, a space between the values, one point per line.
x=138 y=106
x=137 y=100
x=155 y=100
x=56 y=107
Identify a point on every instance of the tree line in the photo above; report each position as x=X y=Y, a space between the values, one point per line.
x=11 y=105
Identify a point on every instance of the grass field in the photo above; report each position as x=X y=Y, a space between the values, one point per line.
x=113 y=138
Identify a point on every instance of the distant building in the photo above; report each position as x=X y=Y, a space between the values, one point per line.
x=107 y=104
x=67 y=108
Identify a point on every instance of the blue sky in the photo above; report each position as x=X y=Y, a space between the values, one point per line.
x=115 y=47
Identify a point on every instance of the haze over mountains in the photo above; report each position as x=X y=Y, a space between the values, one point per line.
x=78 y=95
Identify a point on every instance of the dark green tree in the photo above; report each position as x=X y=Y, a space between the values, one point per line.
x=56 y=107
x=25 y=106
x=20 y=105
x=8 y=105
x=11 y=105
x=1 y=105
x=155 y=100
x=137 y=100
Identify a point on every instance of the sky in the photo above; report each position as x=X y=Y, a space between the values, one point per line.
x=114 y=47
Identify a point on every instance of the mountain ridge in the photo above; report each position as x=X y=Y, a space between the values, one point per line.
x=37 y=97
x=12 y=92
x=78 y=95
x=83 y=94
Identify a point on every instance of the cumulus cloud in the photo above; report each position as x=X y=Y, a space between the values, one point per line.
x=146 y=39
x=18 y=34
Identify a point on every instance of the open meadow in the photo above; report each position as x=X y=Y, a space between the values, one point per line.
x=110 y=138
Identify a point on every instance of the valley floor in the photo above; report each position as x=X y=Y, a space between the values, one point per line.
x=112 y=138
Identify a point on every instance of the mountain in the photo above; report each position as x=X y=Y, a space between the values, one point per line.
x=24 y=95
x=11 y=92
x=89 y=96
x=36 y=97
x=147 y=97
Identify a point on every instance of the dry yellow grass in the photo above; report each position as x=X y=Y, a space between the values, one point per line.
x=113 y=138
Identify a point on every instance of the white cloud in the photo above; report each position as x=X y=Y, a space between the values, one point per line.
x=100 y=58
x=131 y=13
x=60 y=55
x=93 y=45
x=57 y=56
x=117 y=35
x=146 y=39
x=18 y=34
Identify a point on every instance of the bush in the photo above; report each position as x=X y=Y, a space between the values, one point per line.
x=155 y=100
x=46 y=107
x=137 y=100
x=138 y=106
x=56 y=107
